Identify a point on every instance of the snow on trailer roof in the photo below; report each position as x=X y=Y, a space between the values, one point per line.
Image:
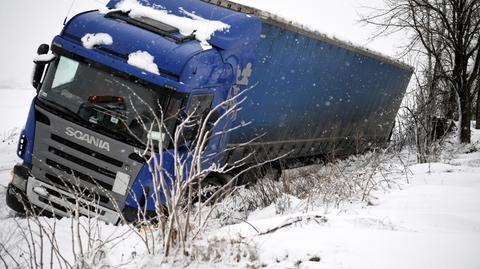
x=300 y=28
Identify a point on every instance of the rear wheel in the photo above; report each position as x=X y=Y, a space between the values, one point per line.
x=271 y=171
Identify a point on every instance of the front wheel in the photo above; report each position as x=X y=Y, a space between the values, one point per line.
x=16 y=199
x=214 y=188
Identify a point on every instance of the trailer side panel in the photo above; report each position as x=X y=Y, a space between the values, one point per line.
x=311 y=96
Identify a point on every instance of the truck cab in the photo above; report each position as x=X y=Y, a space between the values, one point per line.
x=85 y=129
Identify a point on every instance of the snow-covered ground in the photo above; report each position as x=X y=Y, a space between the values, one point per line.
x=432 y=222
x=14 y=106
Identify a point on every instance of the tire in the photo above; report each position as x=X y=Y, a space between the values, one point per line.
x=16 y=199
x=271 y=171
x=214 y=185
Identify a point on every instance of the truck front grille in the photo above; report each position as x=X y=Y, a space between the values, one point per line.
x=81 y=162
x=71 y=168
x=91 y=180
x=79 y=175
x=85 y=150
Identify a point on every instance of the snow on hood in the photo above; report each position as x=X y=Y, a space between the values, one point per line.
x=203 y=29
x=143 y=60
x=89 y=41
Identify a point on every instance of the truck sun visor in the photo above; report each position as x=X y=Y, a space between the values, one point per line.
x=151 y=25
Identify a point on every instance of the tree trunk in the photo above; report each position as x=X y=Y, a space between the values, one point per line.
x=477 y=114
x=450 y=105
x=466 y=113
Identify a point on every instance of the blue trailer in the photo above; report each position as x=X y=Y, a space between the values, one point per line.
x=307 y=95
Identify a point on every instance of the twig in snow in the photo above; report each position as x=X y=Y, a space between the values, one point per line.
x=317 y=218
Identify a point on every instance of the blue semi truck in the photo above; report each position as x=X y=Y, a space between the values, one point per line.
x=306 y=95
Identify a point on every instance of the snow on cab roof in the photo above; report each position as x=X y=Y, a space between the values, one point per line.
x=209 y=24
x=191 y=24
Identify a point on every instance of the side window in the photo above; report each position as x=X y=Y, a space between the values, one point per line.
x=200 y=104
x=66 y=71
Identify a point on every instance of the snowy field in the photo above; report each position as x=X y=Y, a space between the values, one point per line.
x=429 y=218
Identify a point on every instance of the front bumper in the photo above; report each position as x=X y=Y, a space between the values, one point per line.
x=26 y=191
x=65 y=204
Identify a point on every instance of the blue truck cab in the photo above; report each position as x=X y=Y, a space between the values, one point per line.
x=84 y=131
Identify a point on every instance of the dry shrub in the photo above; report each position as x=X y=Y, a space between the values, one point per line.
x=329 y=184
x=234 y=250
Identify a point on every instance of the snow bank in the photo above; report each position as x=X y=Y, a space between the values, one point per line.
x=143 y=60
x=203 y=29
x=89 y=41
x=429 y=221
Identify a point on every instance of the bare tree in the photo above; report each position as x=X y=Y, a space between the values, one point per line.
x=448 y=31
x=427 y=97
x=477 y=112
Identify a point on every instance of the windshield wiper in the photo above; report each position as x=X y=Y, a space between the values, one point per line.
x=128 y=138
x=60 y=108
x=65 y=112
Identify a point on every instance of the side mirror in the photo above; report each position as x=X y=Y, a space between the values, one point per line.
x=41 y=62
x=213 y=119
x=43 y=49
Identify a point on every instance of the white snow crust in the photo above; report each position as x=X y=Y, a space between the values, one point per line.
x=143 y=60
x=89 y=41
x=41 y=191
x=44 y=58
x=203 y=29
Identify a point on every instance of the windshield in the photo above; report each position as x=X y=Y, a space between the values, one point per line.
x=119 y=107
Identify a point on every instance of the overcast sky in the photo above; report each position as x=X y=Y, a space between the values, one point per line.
x=27 y=23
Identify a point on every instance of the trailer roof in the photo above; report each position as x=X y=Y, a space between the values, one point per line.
x=273 y=19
